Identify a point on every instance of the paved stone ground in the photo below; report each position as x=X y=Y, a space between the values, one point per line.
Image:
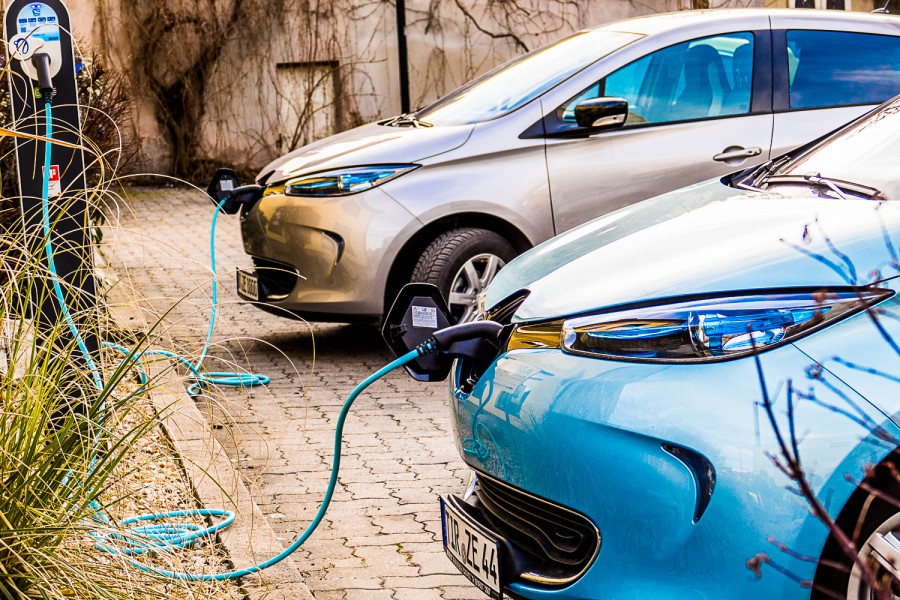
x=381 y=536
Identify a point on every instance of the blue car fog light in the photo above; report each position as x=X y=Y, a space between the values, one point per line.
x=713 y=328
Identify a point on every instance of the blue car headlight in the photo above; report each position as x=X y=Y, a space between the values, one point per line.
x=343 y=182
x=698 y=330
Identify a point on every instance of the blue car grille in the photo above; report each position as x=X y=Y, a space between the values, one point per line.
x=547 y=543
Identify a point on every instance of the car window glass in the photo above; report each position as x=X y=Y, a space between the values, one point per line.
x=835 y=68
x=703 y=78
x=524 y=78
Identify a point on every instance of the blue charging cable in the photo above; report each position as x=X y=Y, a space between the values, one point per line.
x=153 y=532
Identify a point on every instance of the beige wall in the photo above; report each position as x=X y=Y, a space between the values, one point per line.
x=347 y=51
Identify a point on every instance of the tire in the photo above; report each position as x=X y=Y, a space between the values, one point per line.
x=864 y=517
x=461 y=263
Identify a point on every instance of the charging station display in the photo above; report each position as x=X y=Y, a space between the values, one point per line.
x=39 y=20
x=37 y=27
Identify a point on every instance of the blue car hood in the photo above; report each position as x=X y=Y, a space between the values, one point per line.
x=367 y=145
x=706 y=238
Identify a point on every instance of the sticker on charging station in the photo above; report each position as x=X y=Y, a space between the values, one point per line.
x=424 y=316
x=54 y=187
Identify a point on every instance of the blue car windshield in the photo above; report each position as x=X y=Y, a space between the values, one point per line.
x=867 y=152
x=522 y=79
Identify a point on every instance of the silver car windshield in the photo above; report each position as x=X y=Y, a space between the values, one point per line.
x=866 y=153
x=522 y=79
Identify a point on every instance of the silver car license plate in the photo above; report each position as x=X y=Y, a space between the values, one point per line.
x=247 y=285
x=472 y=550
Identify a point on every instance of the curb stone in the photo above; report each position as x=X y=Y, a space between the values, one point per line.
x=214 y=480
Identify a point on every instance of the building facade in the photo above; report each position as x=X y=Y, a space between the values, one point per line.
x=240 y=82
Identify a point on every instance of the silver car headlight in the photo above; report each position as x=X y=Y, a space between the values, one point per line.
x=698 y=330
x=343 y=182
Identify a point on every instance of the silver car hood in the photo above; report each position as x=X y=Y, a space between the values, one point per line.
x=367 y=145
x=707 y=238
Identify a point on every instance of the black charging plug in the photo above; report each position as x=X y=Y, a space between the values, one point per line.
x=445 y=338
x=41 y=63
x=478 y=340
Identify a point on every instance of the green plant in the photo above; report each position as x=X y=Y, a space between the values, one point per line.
x=59 y=447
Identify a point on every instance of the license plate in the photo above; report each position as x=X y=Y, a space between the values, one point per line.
x=247 y=285
x=472 y=550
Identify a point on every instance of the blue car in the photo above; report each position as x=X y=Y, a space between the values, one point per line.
x=619 y=443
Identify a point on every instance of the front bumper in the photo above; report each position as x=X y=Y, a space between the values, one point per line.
x=337 y=251
x=597 y=437
x=542 y=542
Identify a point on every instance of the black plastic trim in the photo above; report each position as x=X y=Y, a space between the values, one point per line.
x=703 y=472
x=781 y=82
x=507 y=512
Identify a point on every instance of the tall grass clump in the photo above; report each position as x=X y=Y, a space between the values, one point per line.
x=59 y=447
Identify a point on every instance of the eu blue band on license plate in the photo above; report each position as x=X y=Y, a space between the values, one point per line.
x=472 y=550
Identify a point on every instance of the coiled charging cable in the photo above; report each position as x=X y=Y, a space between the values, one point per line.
x=153 y=533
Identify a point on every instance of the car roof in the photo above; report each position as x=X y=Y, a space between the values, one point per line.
x=673 y=21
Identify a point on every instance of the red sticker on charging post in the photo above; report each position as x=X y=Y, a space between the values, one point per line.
x=54 y=187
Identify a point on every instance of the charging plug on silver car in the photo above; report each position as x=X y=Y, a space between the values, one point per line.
x=225 y=192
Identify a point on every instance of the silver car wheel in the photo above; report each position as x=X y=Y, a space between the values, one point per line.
x=882 y=553
x=470 y=280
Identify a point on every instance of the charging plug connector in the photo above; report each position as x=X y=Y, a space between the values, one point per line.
x=445 y=338
x=41 y=63
x=37 y=58
x=478 y=340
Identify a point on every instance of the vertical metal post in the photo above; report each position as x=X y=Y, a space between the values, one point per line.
x=402 y=57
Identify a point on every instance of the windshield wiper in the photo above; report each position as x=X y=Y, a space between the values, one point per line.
x=838 y=186
x=407 y=120
x=756 y=175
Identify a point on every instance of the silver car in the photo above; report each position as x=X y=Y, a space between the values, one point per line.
x=599 y=120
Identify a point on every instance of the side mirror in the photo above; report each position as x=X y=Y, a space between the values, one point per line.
x=224 y=187
x=601 y=114
x=416 y=314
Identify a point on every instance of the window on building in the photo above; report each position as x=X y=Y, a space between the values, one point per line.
x=308 y=102
x=834 y=68
x=821 y=4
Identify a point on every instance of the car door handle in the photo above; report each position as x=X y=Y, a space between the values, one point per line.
x=737 y=152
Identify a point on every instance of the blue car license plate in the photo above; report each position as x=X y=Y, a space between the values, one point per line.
x=474 y=551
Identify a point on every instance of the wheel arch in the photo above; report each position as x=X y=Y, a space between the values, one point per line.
x=882 y=477
x=406 y=258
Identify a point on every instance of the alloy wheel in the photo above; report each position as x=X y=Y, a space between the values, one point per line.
x=472 y=279
x=882 y=553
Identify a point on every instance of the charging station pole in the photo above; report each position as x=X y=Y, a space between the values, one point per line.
x=46 y=24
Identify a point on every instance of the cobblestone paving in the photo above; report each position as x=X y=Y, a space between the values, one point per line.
x=381 y=536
